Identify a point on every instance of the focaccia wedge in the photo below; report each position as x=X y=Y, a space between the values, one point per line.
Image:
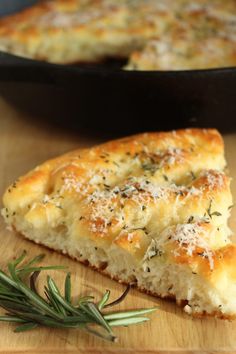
x=150 y=209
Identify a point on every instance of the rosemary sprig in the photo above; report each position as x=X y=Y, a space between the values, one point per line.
x=25 y=306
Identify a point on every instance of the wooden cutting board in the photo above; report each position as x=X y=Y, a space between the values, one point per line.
x=25 y=143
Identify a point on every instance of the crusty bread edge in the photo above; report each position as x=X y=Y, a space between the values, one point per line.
x=102 y=271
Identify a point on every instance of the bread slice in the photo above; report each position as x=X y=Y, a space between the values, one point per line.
x=151 y=209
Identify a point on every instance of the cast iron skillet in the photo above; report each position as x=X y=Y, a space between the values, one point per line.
x=104 y=97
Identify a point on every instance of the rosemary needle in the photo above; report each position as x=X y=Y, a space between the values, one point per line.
x=25 y=306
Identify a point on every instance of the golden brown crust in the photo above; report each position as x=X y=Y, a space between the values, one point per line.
x=151 y=169
x=177 y=34
x=153 y=199
x=152 y=157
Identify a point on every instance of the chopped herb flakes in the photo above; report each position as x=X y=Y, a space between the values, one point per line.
x=214 y=213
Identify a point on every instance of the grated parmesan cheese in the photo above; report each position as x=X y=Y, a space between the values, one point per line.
x=104 y=193
x=214 y=178
x=189 y=237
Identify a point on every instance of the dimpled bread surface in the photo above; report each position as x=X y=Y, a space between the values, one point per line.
x=149 y=209
x=150 y=34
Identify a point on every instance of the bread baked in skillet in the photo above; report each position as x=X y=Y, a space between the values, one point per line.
x=150 y=34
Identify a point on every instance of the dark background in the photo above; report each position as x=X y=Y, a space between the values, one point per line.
x=8 y=6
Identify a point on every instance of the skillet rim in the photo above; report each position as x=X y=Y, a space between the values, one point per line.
x=12 y=60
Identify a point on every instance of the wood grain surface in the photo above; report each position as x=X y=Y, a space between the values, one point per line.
x=24 y=143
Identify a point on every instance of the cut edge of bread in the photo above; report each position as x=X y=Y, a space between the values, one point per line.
x=193 y=260
x=105 y=266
